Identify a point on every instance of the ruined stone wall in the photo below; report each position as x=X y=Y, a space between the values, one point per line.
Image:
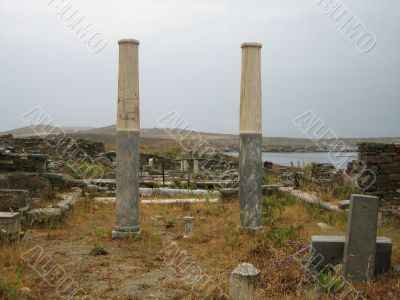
x=57 y=147
x=14 y=162
x=384 y=161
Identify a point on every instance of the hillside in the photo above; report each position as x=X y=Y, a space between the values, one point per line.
x=158 y=137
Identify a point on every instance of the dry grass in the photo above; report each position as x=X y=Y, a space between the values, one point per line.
x=217 y=247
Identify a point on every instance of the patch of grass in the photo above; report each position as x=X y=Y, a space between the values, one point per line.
x=8 y=290
x=272 y=203
x=169 y=223
x=328 y=282
x=100 y=232
x=344 y=191
x=319 y=214
x=145 y=286
x=98 y=249
x=281 y=234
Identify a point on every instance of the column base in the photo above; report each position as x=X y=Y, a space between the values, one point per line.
x=258 y=228
x=125 y=232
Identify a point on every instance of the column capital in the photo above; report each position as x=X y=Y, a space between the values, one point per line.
x=128 y=41
x=251 y=44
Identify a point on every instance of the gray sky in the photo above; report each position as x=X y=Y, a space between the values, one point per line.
x=190 y=62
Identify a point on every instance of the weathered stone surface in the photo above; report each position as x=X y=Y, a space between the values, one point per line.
x=244 y=282
x=127 y=205
x=68 y=203
x=328 y=250
x=45 y=216
x=360 y=245
x=91 y=189
x=35 y=181
x=9 y=223
x=250 y=192
x=13 y=199
x=53 y=215
x=379 y=166
x=13 y=162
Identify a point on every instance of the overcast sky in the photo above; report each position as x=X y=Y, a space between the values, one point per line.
x=190 y=63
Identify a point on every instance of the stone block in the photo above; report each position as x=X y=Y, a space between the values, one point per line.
x=328 y=250
x=360 y=244
x=9 y=223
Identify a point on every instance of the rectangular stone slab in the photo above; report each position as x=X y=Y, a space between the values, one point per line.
x=331 y=249
x=360 y=244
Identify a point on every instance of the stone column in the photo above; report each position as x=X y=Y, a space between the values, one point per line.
x=250 y=138
x=128 y=127
x=360 y=244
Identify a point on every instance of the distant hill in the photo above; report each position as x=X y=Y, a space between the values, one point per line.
x=158 y=137
x=44 y=130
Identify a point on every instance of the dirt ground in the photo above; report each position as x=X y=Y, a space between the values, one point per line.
x=160 y=264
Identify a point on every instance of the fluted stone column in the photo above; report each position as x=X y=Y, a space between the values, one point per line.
x=128 y=127
x=250 y=138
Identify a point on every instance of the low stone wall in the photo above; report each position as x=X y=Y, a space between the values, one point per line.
x=57 y=147
x=14 y=162
x=384 y=161
x=38 y=182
